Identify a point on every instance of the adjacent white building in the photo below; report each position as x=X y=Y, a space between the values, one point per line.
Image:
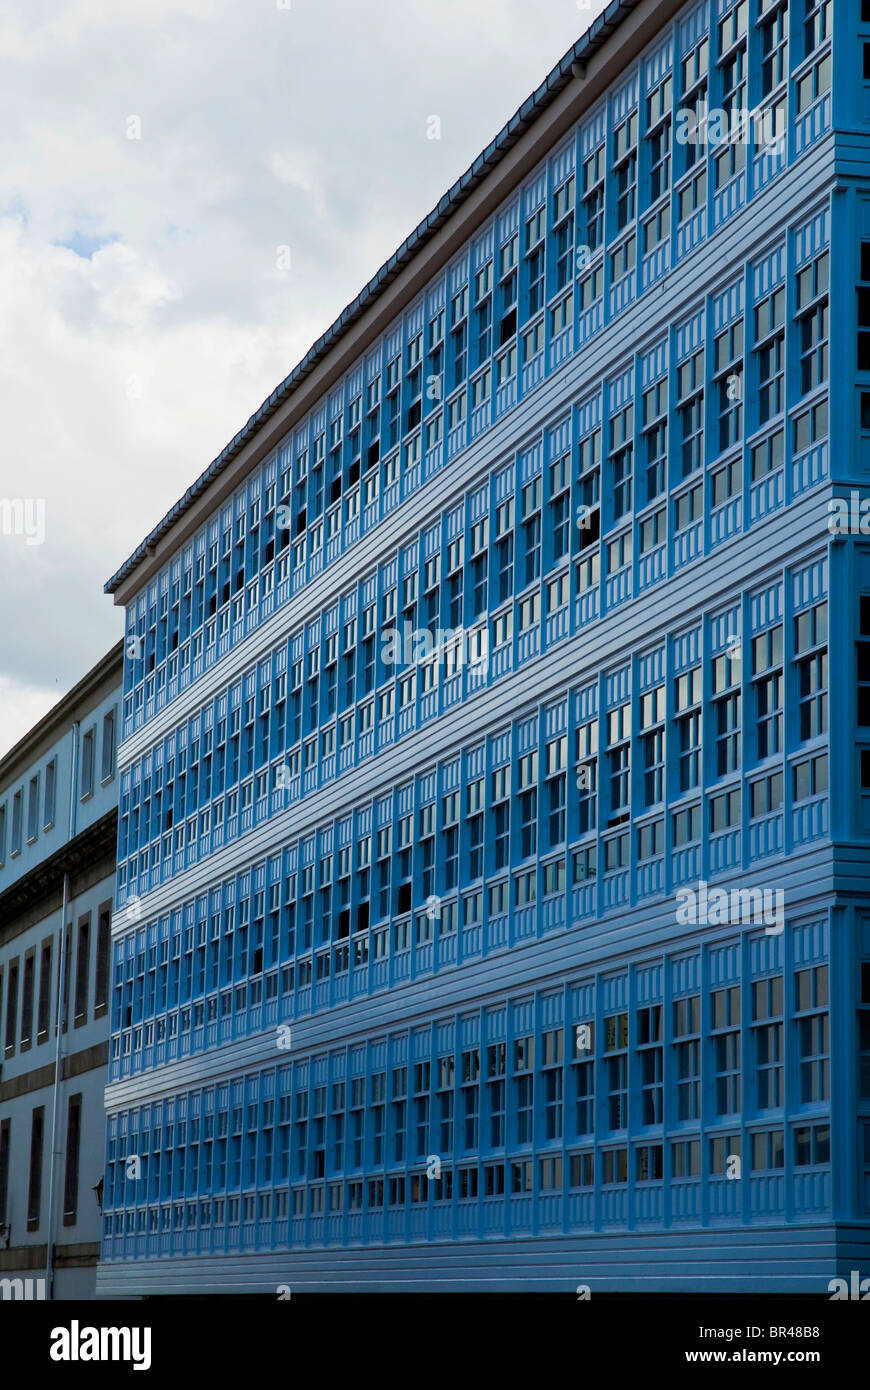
x=58 y=830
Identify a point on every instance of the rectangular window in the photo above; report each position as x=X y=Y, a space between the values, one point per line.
x=563 y=236
x=654 y=442
x=33 y=808
x=864 y=310
x=652 y=716
x=83 y=960
x=693 y=85
x=812 y=1146
x=101 y=980
x=623 y=259
x=811 y=427
x=5 y=1140
x=650 y=840
x=658 y=138
x=648 y=1162
x=621 y=460
x=730 y=157
x=534 y=257
x=767 y=1034
x=591 y=288
x=86 y=776
x=728 y=385
x=726 y=713
x=690 y=413
x=765 y=796
x=616 y=1069
x=686 y=1158
x=551 y=1174
x=17 y=822
x=524 y=1062
x=27 y=990
x=585 y=864
x=624 y=171
x=813 y=322
x=724 y=1149
x=724 y=812
x=767 y=686
x=649 y=1037
x=863 y=1021
x=687 y=1025
x=43 y=1012
x=688 y=508
x=594 y=172
x=582 y=1170
x=619 y=552
x=583 y=1067
x=618 y=756
x=768 y=1151
x=769 y=354
x=810 y=778
x=727 y=483
x=11 y=1005
x=862 y=648
x=687 y=706
x=50 y=795
x=71 y=1170
x=811 y=1005
x=814 y=84
x=693 y=195
x=811 y=649
x=726 y=1049
x=107 y=765
x=653 y=531
x=774 y=31
x=615 y=1163
x=34 y=1185
x=687 y=826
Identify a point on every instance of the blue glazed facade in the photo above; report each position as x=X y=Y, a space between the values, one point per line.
x=422 y=964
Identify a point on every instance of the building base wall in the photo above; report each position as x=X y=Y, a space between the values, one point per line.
x=22 y=1274
x=799 y=1260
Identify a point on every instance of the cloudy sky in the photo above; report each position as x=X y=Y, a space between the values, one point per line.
x=156 y=157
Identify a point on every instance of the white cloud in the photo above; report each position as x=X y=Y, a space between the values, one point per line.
x=23 y=706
